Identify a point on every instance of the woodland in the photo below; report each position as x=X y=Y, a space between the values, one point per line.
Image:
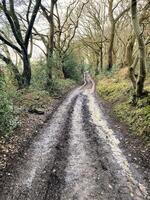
x=47 y=45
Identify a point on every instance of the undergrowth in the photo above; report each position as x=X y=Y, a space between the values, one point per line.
x=58 y=87
x=117 y=89
x=8 y=116
x=15 y=103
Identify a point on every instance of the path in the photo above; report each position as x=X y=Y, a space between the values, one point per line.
x=76 y=157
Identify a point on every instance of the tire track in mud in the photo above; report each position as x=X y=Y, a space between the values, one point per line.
x=80 y=173
x=97 y=151
x=56 y=180
x=112 y=181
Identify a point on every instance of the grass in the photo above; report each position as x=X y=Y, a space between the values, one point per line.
x=117 y=89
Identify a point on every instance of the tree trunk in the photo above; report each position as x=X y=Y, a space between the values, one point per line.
x=97 y=65
x=141 y=45
x=129 y=51
x=26 y=70
x=51 y=41
x=110 y=49
x=132 y=72
x=62 y=67
x=49 y=65
x=101 y=57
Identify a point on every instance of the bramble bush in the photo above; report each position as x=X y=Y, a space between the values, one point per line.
x=8 y=120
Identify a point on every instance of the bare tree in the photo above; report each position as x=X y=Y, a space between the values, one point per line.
x=22 y=38
x=62 y=30
x=66 y=29
x=49 y=15
x=113 y=20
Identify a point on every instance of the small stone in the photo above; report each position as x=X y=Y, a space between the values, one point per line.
x=148 y=197
x=142 y=188
x=110 y=186
x=54 y=170
x=132 y=195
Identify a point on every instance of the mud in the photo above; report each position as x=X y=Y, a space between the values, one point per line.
x=77 y=156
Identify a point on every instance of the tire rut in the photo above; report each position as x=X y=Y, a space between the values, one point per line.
x=104 y=180
x=80 y=173
x=114 y=183
x=56 y=180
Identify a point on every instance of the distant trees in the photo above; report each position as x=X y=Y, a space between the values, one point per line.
x=66 y=28
x=99 y=29
x=93 y=32
x=108 y=34
x=62 y=30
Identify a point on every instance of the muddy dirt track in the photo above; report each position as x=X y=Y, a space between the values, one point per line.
x=76 y=157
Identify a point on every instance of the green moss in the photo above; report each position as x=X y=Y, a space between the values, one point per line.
x=137 y=118
x=118 y=92
x=112 y=90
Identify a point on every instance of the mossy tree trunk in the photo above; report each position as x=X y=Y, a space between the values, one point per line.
x=26 y=76
x=97 y=69
x=129 y=51
x=132 y=73
x=141 y=46
x=111 y=44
